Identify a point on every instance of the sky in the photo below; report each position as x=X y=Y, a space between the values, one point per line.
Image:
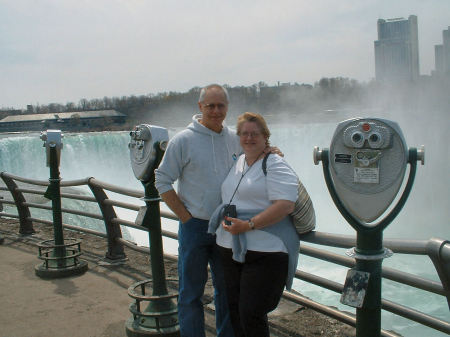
x=60 y=51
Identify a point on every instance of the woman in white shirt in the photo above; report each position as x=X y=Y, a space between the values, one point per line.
x=260 y=245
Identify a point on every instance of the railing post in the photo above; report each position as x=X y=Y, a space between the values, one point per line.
x=439 y=253
x=26 y=226
x=1 y=210
x=113 y=231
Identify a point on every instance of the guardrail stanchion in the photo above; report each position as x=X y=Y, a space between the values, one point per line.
x=26 y=225
x=1 y=210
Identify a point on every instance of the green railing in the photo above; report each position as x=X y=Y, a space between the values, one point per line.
x=438 y=250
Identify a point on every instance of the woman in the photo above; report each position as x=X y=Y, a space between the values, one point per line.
x=259 y=246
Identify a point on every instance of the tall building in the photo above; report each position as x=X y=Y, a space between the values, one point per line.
x=439 y=61
x=442 y=54
x=397 y=50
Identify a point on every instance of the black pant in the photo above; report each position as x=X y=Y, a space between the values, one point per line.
x=254 y=289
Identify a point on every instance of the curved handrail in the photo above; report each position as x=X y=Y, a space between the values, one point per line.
x=417 y=247
x=116 y=189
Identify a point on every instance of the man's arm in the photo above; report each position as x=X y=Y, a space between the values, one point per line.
x=166 y=174
x=176 y=205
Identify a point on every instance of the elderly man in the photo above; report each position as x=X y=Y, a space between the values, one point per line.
x=199 y=157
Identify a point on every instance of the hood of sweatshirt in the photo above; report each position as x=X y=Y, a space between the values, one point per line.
x=196 y=126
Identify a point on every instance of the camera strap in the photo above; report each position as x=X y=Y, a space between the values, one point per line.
x=242 y=176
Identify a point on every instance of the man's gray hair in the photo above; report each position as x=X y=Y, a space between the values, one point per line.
x=217 y=86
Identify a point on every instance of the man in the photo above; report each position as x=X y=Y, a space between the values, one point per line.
x=199 y=157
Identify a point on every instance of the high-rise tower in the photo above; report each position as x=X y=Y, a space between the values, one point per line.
x=397 y=50
x=442 y=54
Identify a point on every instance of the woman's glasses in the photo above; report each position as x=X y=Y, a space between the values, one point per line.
x=253 y=134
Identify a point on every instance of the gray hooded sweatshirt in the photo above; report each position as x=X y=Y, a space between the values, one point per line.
x=200 y=160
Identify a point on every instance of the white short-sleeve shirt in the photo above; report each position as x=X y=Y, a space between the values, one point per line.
x=257 y=191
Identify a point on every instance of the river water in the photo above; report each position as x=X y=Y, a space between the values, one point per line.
x=105 y=156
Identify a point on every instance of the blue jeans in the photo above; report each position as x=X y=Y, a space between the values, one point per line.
x=196 y=249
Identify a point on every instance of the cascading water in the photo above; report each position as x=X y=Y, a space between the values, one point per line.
x=105 y=156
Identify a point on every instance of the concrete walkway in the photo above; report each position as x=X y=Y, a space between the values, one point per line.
x=93 y=304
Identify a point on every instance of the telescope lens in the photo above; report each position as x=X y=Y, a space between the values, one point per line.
x=374 y=138
x=356 y=137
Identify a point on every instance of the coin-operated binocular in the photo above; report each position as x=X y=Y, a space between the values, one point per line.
x=52 y=139
x=364 y=170
x=147 y=146
x=367 y=163
x=148 y=142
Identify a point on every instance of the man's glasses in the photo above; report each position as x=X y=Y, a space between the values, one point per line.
x=212 y=106
x=253 y=134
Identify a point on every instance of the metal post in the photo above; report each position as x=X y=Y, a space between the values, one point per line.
x=1 y=210
x=369 y=257
x=53 y=193
x=152 y=221
x=60 y=259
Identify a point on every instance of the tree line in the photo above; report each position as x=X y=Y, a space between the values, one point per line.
x=326 y=94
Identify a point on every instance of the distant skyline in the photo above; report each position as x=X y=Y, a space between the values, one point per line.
x=55 y=51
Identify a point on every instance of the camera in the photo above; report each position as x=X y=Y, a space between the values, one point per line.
x=230 y=211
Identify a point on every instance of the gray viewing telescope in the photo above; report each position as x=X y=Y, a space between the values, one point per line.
x=52 y=138
x=143 y=154
x=367 y=161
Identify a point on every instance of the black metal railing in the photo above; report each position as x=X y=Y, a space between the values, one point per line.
x=438 y=250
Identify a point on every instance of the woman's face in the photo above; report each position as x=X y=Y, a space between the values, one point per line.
x=252 y=139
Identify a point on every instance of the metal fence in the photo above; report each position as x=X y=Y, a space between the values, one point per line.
x=438 y=250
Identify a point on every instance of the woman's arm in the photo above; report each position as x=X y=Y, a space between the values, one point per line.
x=272 y=214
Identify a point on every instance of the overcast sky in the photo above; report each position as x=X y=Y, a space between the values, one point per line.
x=59 y=51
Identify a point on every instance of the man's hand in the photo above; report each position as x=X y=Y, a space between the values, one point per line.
x=186 y=217
x=274 y=150
x=174 y=203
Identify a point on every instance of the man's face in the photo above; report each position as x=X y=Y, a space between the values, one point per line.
x=214 y=109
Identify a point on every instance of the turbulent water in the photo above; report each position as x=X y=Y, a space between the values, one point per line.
x=426 y=214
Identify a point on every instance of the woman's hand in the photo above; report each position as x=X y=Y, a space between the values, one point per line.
x=237 y=226
x=274 y=213
x=274 y=150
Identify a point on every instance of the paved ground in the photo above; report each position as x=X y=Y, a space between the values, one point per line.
x=93 y=304
x=96 y=304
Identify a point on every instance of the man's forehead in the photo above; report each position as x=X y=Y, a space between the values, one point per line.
x=215 y=93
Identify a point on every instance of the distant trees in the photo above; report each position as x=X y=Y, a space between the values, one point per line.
x=327 y=93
